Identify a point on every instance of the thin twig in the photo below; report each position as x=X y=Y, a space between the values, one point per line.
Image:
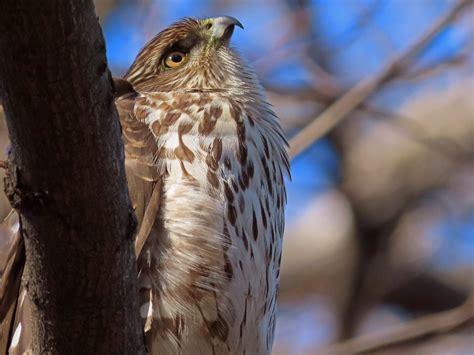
x=3 y=164
x=433 y=69
x=404 y=124
x=443 y=322
x=359 y=93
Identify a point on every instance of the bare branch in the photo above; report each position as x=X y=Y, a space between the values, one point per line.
x=359 y=93
x=434 y=68
x=403 y=123
x=417 y=329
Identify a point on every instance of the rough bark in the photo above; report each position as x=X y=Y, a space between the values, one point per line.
x=67 y=179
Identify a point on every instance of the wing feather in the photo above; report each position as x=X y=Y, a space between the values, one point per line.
x=142 y=175
x=11 y=278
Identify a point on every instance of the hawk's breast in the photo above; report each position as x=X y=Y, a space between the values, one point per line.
x=211 y=267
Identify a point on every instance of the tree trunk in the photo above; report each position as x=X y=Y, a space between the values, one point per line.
x=67 y=179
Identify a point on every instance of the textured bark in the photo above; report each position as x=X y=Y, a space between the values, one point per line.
x=67 y=179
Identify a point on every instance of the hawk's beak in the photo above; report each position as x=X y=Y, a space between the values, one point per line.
x=221 y=28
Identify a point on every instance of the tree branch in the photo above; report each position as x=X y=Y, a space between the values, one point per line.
x=66 y=177
x=335 y=113
x=443 y=322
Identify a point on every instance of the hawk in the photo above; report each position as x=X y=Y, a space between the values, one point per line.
x=206 y=162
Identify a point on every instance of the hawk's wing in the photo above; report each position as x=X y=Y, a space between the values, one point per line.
x=144 y=185
x=140 y=152
x=144 y=188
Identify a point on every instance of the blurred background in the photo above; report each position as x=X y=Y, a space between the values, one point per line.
x=380 y=221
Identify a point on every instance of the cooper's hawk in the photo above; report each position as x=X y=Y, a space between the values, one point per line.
x=205 y=160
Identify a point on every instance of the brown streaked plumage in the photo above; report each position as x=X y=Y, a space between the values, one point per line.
x=205 y=161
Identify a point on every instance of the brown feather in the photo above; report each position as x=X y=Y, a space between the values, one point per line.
x=11 y=279
x=149 y=219
x=142 y=175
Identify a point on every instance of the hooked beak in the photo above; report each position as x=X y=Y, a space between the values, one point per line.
x=221 y=28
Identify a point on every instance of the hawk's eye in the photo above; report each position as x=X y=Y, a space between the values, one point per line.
x=175 y=59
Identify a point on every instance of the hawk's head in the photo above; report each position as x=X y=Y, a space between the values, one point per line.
x=190 y=54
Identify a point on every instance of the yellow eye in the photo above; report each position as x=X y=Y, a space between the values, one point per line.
x=175 y=59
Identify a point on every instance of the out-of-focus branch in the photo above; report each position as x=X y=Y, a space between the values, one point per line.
x=404 y=124
x=359 y=93
x=3 y=164
x=434 y=68
x=443 y=322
